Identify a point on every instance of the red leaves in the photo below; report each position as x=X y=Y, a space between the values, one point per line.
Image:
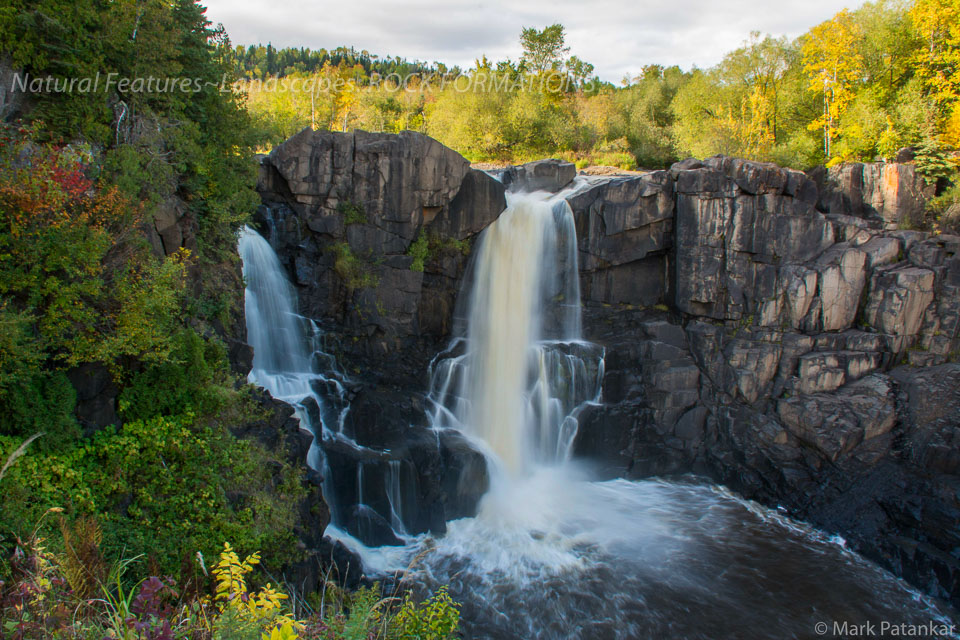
x=71 y=181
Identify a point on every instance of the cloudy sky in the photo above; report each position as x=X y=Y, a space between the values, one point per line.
x=617 y=36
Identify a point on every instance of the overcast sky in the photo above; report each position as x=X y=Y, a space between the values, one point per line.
x=617 y=36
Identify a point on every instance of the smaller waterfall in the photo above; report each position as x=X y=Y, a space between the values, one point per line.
x=278 y=335
x=395 y=496
x=287 y=359
x=290 y=364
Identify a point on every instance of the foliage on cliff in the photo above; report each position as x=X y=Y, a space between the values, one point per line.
x=157 y=111
x=85 y=296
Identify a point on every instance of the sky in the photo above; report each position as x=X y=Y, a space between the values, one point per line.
x=618 y=37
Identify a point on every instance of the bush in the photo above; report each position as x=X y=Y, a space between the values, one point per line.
x=355 y=273
x=419 y=250
x=165 y=487
x=352 y=213
x=194 y=378
x=945 y=209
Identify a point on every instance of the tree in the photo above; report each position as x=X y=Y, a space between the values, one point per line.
x=543 y=50
x=760 y=67
x=579 y=70
x=833 y=65
x=937 y=22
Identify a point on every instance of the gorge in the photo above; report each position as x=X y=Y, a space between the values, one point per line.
x=507 y=377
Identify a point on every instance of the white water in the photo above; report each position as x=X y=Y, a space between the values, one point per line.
x=552 y=554
x=524 y=373
x=287 y=359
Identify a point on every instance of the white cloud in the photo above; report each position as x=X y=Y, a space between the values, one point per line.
x=619 y=37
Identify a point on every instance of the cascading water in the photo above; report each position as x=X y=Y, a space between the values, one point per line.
x=553 y=555
x=287 y=359
x=550 y=553
x=524 y=372
x=289 y=363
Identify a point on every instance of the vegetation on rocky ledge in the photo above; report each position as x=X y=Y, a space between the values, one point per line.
x=78 y=594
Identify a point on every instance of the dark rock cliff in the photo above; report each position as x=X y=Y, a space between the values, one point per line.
x=773 y=333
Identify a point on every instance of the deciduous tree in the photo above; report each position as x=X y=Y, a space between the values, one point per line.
x=834 y=66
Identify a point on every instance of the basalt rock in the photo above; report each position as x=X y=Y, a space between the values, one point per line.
x=775 y=331
x=624 y=230
x=892 y=194
x=541 y=175
x=375 y=229
x=96 y=396
x=793 y=319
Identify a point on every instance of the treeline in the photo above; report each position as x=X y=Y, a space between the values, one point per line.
x=258 y=61
x=859 y=86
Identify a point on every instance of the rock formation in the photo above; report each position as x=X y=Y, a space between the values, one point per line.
x=777 y=332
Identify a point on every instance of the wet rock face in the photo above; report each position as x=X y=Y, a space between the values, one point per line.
x=772 y=330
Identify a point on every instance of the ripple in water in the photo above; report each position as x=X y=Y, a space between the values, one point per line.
x=561 y=557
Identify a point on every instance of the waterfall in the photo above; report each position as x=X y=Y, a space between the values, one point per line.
x=281 y=352
x=287 y=359
x=519 y=374
x=551 y=553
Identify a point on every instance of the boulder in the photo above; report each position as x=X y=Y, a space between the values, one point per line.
x=837 y=423
x=541 y=175
x=842 y=276
x=899 y=297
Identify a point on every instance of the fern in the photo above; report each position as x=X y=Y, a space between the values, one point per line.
x=82 y=563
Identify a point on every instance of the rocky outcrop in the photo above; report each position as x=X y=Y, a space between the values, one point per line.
x=96 y=396
x=775 y=331
x=541 y=175
x=375 y=229
x=889 y=194
x=624 y=231
x=782 y=371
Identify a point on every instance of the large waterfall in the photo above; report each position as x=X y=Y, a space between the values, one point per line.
x=550 y=552
x=524 y=372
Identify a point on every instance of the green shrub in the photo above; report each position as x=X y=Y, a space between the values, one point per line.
x=425 y=247
x=437 y=618
x=194 y=378
x=419 y=250
x=945 y=208
x=355 y=273
x=933 y=162
x=352 y=213
x=165 y=487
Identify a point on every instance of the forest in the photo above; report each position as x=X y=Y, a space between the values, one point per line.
x=857 y=87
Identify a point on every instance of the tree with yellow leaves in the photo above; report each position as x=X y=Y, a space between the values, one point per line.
x=937 y=22
x=834 y=66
